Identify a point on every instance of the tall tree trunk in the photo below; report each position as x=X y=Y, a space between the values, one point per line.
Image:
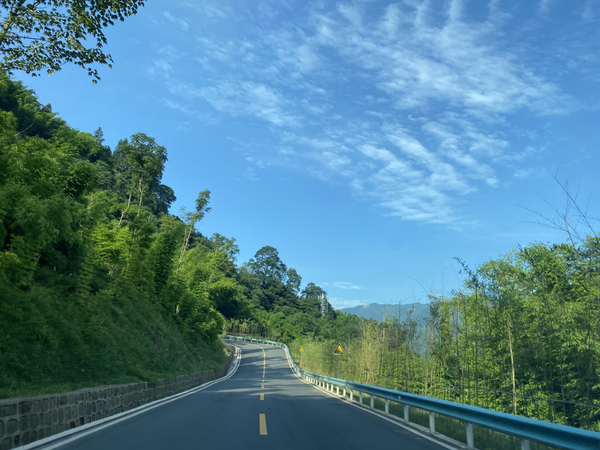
x=512 y=366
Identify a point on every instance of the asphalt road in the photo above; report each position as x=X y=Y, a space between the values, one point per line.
x=244 y=412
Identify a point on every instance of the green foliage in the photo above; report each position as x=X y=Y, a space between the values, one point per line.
x=522 y=337
x=88 y=258
x=47 y=34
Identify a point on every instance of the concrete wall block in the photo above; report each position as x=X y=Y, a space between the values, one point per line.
x=17 y=440
x=63 y=400
x=71 y=399
x=88 y=409
x=81 y=410
x=61 y=415
x=1 y=429
x=23 y=423
x=8 y=410
x=26 y=438
x=12 y=426
x=45 y=405
x=41 y=434
x=34 y=421
x=6 y=444
x=24 y=407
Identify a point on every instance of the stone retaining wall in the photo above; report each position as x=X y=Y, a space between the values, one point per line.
x=25 y=420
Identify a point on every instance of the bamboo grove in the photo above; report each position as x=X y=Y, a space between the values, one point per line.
x=99 y=282
x=522 y=337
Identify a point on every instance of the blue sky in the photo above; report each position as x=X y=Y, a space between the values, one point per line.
x=370 y=142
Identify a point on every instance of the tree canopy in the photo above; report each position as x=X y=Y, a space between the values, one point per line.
x=44 y=35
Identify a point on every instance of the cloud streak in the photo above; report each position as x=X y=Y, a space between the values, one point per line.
x=343 y=285
x=436 y=97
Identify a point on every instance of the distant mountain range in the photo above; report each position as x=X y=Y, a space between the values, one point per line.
x=380 y=311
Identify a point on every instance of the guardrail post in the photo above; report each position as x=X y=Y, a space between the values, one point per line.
x=360 y=398
x=387 y=406
x=432 y=422
x=524 y=444
x=344 y=392
x=351 y=394
x=337 y=390
x=372 y=401
x=406 y=413
x=470 y=443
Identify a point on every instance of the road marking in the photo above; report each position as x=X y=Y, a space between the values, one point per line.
x=262 y=396
x=93 y=427
x=368 y=410
x=264 y=360
x=263 y=424
x=262 y=386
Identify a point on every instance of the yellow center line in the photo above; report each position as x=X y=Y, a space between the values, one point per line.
x=263 y=424
x=262 y=386
x=262 y=396
x=264 y=360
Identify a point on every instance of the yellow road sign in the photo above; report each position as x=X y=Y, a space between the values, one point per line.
x=339 y=348
x=301 y=349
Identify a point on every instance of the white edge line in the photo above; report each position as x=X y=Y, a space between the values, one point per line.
x=120 y=417
x=375 y=413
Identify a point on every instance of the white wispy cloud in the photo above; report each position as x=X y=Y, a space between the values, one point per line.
x=181 y=23
x=209 y=9
x=343 y=285
x=247 y=98
x=431 y=119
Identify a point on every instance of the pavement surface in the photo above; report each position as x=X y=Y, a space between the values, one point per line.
x=262 y=406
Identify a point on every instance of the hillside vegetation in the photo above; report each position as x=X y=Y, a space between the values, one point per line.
x=99 y=283
x=522 y=336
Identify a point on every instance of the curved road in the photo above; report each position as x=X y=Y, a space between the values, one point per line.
x=243 y=412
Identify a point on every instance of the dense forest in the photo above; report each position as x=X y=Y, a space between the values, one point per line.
x=100 y=283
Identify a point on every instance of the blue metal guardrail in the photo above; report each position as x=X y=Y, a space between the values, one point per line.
x=547 y=433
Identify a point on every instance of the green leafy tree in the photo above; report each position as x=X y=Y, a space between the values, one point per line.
x=202 y=209
x=267 y=265
x=141 y=162
x=37 y=35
